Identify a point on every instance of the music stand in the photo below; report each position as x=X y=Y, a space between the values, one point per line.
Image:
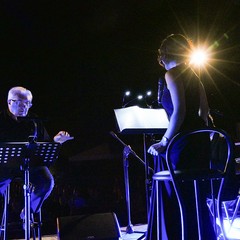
x=136 y=120
x=21 y=154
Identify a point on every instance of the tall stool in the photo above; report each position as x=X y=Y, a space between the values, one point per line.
x=36 y=219
x=194 y=175
x=36 y=225
x=4 y=223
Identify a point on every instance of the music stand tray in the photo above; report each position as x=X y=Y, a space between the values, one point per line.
x=12 y=154
x=136 y=120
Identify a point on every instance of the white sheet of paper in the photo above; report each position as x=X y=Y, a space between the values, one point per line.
x=136 y=118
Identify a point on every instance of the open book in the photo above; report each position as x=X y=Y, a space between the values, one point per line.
x=134 y=120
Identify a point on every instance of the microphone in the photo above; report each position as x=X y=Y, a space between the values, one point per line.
x=161 y=82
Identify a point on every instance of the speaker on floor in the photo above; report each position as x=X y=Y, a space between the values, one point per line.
x=99 y=226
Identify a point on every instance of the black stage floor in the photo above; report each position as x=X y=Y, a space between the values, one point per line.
x=139 y=233
x=233 y=232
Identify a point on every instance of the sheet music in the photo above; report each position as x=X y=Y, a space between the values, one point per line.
x=141 y=120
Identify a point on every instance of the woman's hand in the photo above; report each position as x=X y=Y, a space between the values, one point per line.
x=62 y=137
x=157 y=148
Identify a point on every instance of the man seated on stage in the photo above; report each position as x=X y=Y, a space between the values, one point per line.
x=13 y=129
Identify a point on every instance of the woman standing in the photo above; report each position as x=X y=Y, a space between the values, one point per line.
x=185 y=102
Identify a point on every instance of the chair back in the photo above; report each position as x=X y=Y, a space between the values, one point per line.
x=219 y=157
x=205 y=154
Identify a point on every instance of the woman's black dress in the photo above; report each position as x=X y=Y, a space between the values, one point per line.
x=188 y=154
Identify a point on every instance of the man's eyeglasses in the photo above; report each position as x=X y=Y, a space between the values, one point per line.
x=18 y=102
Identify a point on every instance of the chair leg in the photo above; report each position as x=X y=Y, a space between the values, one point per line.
x=39 y=225
x=33 y=226
x=151 y=213
x=4 y=223
x=220 y=212
x=154 y=231
x=198 y=211
x=158 y=211
x=36 y=225
x=214 y=212
x=181 y=209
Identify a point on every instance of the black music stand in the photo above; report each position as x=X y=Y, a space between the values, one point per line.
x=22 y=154
x=136 y=120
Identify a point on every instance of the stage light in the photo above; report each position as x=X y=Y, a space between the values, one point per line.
x=148 y=93
x=199 y=57
x=127 y=93
x=148 y=99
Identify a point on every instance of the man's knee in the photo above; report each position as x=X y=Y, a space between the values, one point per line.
x=48 y=185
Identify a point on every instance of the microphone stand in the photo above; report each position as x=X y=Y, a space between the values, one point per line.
x=126 y=151
x=27 y=192
x=27 y=187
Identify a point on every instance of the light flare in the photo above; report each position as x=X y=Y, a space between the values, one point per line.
x=199 y=57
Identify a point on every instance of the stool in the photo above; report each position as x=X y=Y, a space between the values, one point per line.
x=4 y=222
x=36 y=219
x=194 y=175
x=36 y=224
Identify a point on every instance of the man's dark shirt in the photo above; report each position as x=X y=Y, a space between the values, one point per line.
x=19 y=131
x=12 y=130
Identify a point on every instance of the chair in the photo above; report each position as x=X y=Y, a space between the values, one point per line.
x=36 y=219
x=4 y=223
x=194 y=175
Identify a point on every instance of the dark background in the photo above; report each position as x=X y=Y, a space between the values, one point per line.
x=78 y=57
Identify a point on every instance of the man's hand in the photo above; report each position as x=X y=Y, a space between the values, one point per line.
x=62 y=137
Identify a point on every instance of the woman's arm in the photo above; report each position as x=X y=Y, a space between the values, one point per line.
x=176 y=89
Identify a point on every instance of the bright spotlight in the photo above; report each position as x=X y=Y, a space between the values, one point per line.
x=127 y=93
x=148 y=93
x=199 y=57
